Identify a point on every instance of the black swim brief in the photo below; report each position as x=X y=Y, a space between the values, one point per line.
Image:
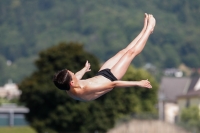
x=107 y=73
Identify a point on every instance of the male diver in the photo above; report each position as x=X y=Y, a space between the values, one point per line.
x=109 y=74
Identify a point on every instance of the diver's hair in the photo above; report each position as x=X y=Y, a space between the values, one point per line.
x=61 y=80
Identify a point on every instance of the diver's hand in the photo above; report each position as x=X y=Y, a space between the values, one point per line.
x=87 y=66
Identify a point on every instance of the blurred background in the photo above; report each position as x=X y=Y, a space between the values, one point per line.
x=40 y=37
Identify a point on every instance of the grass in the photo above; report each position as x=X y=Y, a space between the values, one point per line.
x=17 y=129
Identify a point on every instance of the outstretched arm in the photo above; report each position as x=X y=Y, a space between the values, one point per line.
x=142 y=83
x=85 y=69
x=118 y=83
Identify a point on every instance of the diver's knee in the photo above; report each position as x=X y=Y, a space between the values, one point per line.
x=122 y=52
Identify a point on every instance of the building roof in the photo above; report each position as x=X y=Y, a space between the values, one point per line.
x=193 y=83
x=171 y=87
x=190 y=94
x=13 y=108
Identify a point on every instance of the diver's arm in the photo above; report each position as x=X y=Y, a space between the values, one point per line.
x=120 y=83
x=142 y=83
x=80 y=73
x=110 y=85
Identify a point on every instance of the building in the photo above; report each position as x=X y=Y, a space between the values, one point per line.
x=170 y=89
x=192 y=97
x=176 y=94
x=173 y=72
x=13 y=115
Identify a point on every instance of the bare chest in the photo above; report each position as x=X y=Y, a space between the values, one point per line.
x=97 y=81
x=94 y=88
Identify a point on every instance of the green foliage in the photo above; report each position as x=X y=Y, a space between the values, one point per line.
x=38 y=89
x=170 y=61
x=21 y=129
x=2 y=70
x=51 y=110
x=105 y=26
x=190 y=118
x=9 y=101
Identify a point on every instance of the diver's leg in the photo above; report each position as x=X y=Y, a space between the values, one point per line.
x=112 y=61
x=120 y=68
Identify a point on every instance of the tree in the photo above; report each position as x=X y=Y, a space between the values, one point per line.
x=2 y=70
x=52 y=110
x=26 y=27
x=190 y=118
x=172 y=59
x=47 y=104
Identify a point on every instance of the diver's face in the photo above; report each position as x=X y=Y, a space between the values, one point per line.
x=74 y=79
